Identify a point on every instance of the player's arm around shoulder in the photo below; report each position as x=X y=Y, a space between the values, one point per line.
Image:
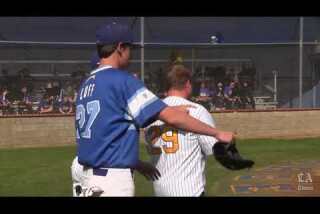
x=205 y=116
x=182 y=120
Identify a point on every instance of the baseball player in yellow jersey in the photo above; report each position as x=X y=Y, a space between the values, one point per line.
x=178 y=155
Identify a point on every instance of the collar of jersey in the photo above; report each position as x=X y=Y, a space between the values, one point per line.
x=100 y=69
x=176 y=97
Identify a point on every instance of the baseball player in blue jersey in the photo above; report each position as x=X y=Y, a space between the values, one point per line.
x=111 y=106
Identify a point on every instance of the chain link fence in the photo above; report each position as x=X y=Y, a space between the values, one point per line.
x=269 y=66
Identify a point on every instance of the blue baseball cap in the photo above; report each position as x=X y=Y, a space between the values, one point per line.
x=114 y=33
x=95 y=61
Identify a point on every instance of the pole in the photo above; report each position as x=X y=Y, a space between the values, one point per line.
x=52 y=68
x=142 y=46
x=300 y=61
x=275 y=86
x=202 y=72
x=313 y=85
x=192 y=60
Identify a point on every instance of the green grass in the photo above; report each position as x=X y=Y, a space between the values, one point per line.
x=46 y=171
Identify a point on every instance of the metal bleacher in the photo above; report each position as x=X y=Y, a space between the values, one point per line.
x=265 y=102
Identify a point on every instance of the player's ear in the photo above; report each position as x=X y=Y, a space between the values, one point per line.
x=188 y=84
x=119 y=48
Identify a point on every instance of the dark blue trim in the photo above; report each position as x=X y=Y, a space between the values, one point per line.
x=100 y=172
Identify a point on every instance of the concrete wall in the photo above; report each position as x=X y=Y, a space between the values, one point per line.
x=36 y=131
x=59 y=130
x=271 y=124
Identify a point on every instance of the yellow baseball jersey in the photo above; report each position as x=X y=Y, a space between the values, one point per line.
x=178 y=155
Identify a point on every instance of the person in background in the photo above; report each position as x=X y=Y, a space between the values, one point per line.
x=25 y=99
x=66 y=106
x=229 y=95
x=46 y=105
x=219 y=97
x=204 y=91
x=49 y=89
x=4 y=101
x=246 y=96
x=204 y=97
x=236 y=95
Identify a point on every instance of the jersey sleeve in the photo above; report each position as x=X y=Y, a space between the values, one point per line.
x=142 y=105
x=206 y=142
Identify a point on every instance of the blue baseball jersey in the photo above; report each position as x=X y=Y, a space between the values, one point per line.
x=111 y=106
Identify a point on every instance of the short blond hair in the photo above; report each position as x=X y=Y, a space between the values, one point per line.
x=177 y=77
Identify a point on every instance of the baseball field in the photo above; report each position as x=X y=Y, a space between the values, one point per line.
x=46 y=171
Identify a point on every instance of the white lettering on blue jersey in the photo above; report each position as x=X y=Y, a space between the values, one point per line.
x=85 y=92
x=92 y=89
x=108 y=134
x=81 y=93
x=142 y=98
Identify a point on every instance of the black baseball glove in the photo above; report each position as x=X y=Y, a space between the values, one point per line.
x=228 y=156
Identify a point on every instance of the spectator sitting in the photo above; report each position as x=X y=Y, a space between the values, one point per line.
x=4 y=98
x=236 y=95
x=71 y=93
x=219 y=97
x=46 y=104
x=229 y=93
x=204 y=97
x=66 y=107
x=56 y=98
x=56 y=88
x=204 y=91
x=50 y=90
x=25 y=100
x=4 y=101
x=67 y=91
x=246 y=96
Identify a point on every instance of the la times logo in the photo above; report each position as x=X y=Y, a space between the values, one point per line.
x=305 y=181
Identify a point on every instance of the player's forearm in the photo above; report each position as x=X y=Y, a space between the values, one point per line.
x=182 y=120
x=188 y=123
